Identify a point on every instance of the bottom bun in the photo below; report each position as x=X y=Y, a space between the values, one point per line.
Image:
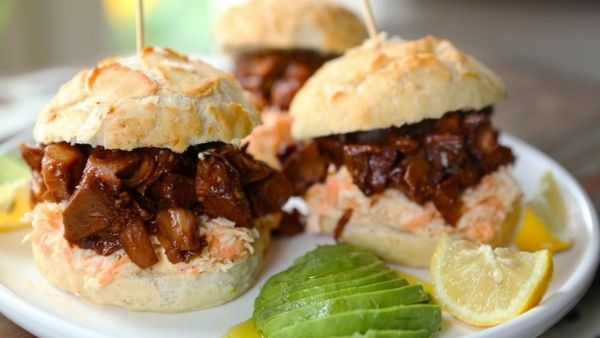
x=226 y=268
x=404 y=232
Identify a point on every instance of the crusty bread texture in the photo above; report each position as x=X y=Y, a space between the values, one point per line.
x=157 y=98
x=402 y=231
x=227 y=267
x=391 y=82
x=320 y=25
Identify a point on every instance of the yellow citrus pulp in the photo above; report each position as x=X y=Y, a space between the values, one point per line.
x=484 y=286
x=545 y=222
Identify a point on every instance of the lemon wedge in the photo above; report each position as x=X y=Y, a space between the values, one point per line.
x=14 y=203
x=14 y=192
x=545 y=222
x=535 y=235
x=484 y=286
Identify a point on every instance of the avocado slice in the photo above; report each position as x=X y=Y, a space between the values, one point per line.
x=292 y=295
x=406 y=295
x=320 y=256
x=402 y=317
x=390 y=334
x=313 y=278
x=270 y=295
x=316 y=298
x=321 y=261
x=325 y=252
x=343 y=291
x=317 y=267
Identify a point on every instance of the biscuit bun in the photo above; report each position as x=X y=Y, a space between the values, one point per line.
x=404 y=232
x=210 y=279
x=319 y=25
x=157 y=98
x=390 y=82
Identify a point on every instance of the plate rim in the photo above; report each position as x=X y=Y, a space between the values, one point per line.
x=555 y=307
x=23 y=310
x=34 y=319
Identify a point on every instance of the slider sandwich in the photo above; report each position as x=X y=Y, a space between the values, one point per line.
x=142 y=197
x=396 y=147
x=276 y=46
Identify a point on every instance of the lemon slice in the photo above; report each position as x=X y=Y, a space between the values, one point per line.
x=14 y=191
x=483 y=286
x=535 y=235
x=545 y=223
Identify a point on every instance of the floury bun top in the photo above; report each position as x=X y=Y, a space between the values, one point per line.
x=392 y=82
x=157 y=98
x=319 y=25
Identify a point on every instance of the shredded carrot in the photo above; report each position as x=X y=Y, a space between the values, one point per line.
x=67 y=252
x=484 y=231
x=55 y=220
x=221 y=250
x=418 y=222
x=112 y=272
x=192 y=270
x=330 y=195
x=492 y=201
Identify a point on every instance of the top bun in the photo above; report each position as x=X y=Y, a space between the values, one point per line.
x=319 y=25
x=157 y=98
x=386 y=83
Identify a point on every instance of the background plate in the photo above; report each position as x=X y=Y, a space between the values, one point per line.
x=31 y=302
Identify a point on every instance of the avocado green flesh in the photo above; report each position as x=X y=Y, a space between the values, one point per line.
x=293 y=295
x=406 y=295
x=300 y=275
x=315 y=298
x=327 y=269
x=402 y=317
x=342 y=291
x=326 y=252
x=317 y=268
x=321 y=256
x=390 y=334
x=274 y=292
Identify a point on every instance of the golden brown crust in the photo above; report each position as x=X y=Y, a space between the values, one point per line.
x=300 y=24
x=389 y=84
x=156 y=99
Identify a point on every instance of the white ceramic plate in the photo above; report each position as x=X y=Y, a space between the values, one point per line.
x=45 y=311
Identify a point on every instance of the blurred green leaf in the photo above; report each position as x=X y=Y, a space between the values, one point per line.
x=13 y=168
x=6 y=9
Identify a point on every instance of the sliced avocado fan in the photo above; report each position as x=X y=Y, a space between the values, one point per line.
x=343 y=291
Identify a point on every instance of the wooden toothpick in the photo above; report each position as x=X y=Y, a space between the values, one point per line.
x=368 y=13
x=139 y=25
